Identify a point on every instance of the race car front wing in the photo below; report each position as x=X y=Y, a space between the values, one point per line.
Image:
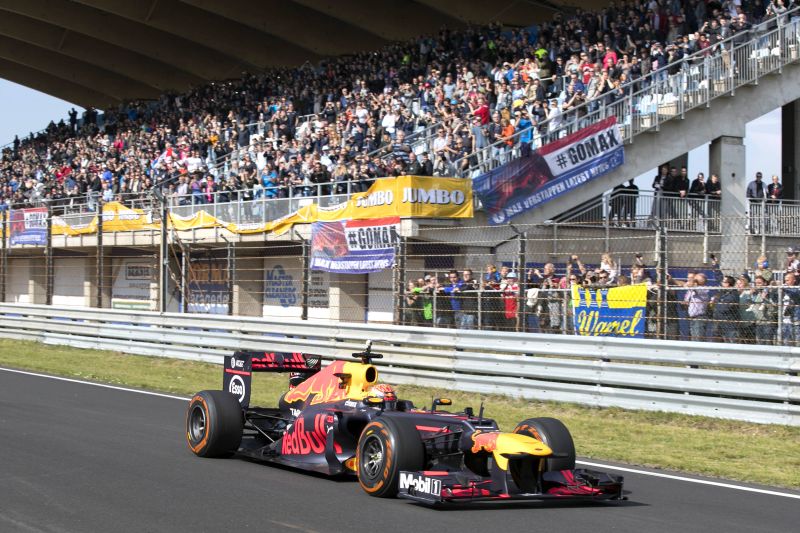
x=440 y=487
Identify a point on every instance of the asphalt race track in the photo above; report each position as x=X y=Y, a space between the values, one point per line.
x=77 y=457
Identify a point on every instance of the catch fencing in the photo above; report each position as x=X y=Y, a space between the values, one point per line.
x=752 y=383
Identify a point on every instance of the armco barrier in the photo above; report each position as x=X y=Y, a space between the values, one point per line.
x=744 y=382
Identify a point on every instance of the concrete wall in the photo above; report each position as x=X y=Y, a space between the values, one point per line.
x=70 y=275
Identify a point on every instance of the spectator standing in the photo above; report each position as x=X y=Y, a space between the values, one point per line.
x=792 y=263
x=765 y=311
x=617 y=200
x=756 y=189
x=510 y=290
x=453 y=290
x=696 y=300
x=551 y=301
x=725 y=314
x=697 y=191
x=714 y=195
x=630 y=198
x=426 y=293
x=775 y=189
x=469 y=300
x=443 y=308
x=774 y=216
x=747 y=314
x=412 y=310
x=532 y=309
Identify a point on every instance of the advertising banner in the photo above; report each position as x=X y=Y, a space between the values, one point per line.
x=614 y=312
x=133 y=282
x=282 y=286
x=354 y=246
x=28 y=226
x=553 y=170
x=404 y=196
x=208 y=288
x=116 y=217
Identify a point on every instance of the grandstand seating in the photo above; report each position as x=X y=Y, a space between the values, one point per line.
x=231 y=124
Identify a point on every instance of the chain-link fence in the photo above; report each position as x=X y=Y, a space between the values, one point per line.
x=735 y=286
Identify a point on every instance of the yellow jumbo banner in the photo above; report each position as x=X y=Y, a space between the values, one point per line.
x=404 y=197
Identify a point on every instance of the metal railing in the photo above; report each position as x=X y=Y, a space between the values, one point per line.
x=241 y=206
x=752 y=383
x=774 y=217
x=648 y=209
x=650 y=101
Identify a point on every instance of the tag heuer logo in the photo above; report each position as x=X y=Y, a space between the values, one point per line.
x=420 y=484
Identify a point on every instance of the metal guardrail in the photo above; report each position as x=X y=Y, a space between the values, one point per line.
x=743 y=382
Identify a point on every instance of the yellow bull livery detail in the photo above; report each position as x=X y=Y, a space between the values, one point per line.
x=499 y=444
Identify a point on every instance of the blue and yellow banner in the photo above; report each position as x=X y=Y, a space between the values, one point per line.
x=614 y=312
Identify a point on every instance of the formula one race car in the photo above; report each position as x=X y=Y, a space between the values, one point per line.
x=340 y=420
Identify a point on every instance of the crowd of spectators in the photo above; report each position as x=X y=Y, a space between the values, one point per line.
x=336 y=126
x=755 y=308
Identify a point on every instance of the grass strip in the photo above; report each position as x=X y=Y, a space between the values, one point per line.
x=768 y=454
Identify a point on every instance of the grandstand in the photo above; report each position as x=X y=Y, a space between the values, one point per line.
x=184 y=134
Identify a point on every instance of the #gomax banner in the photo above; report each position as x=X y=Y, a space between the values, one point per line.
x=354 y=246
x=553 y=170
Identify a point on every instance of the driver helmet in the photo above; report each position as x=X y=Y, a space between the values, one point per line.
x=385 y=391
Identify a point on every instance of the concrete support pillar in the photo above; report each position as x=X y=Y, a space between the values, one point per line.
x=348 y=297
x=727 y=160
x=790 y=154
x=248 y=286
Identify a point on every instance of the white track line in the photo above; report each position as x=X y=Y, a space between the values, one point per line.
x=103 y=385
x=691 y=480
x=585 y=463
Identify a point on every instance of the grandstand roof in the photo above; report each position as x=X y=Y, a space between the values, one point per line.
x=101 y=52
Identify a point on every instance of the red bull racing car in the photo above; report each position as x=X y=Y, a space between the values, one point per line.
x=339 y=420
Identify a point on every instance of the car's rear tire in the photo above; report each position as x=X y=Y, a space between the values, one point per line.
x=385 y=448
x=555 y=434
x=214 y=424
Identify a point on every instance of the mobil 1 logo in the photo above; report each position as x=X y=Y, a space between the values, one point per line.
x=418 y=485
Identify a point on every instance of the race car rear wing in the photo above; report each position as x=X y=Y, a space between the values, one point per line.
x=238 y=369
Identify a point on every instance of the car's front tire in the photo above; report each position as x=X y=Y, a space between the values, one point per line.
x=386 y=447
x=214 y=424
x=555 y=434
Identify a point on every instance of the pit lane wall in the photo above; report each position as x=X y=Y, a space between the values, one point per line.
x=742 y=382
